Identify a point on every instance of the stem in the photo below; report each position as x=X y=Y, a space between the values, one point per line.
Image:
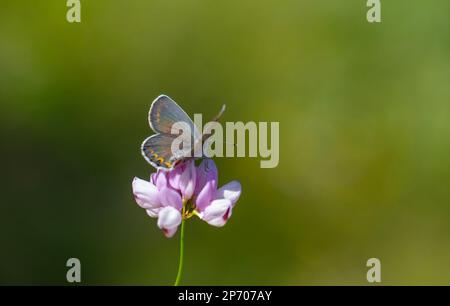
x=180 y=265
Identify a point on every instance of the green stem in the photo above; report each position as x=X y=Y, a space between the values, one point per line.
x=180 y=265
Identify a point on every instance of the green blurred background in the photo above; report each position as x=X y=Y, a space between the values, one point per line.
x=364 y=139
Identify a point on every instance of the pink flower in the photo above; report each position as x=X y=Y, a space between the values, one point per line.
x=187 y=190
x=214 y=205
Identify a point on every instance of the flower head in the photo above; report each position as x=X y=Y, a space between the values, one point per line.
x=187 y=190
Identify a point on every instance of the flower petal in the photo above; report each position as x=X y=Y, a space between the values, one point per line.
x=174 y=176
x=160 y=179
x=206 y=184
x=168 y=220
x=153 y=212
x=187 y=180
x=230 y=191
x=170 y=197
x=206 y=172
x=205 y=196
x=218 y=212
x=145 y=194
x=170 y=232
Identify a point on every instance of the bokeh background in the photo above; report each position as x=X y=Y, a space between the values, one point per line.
x=364 y=139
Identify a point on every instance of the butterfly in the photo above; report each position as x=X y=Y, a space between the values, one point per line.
x=157 y=149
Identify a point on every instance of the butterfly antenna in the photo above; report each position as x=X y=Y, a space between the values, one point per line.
x=222 y=110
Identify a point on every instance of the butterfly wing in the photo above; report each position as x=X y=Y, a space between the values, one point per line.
x=164 y=112
x=205 y=137
x=156 y=149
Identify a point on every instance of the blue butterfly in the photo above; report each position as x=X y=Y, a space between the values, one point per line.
x=157 y=149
